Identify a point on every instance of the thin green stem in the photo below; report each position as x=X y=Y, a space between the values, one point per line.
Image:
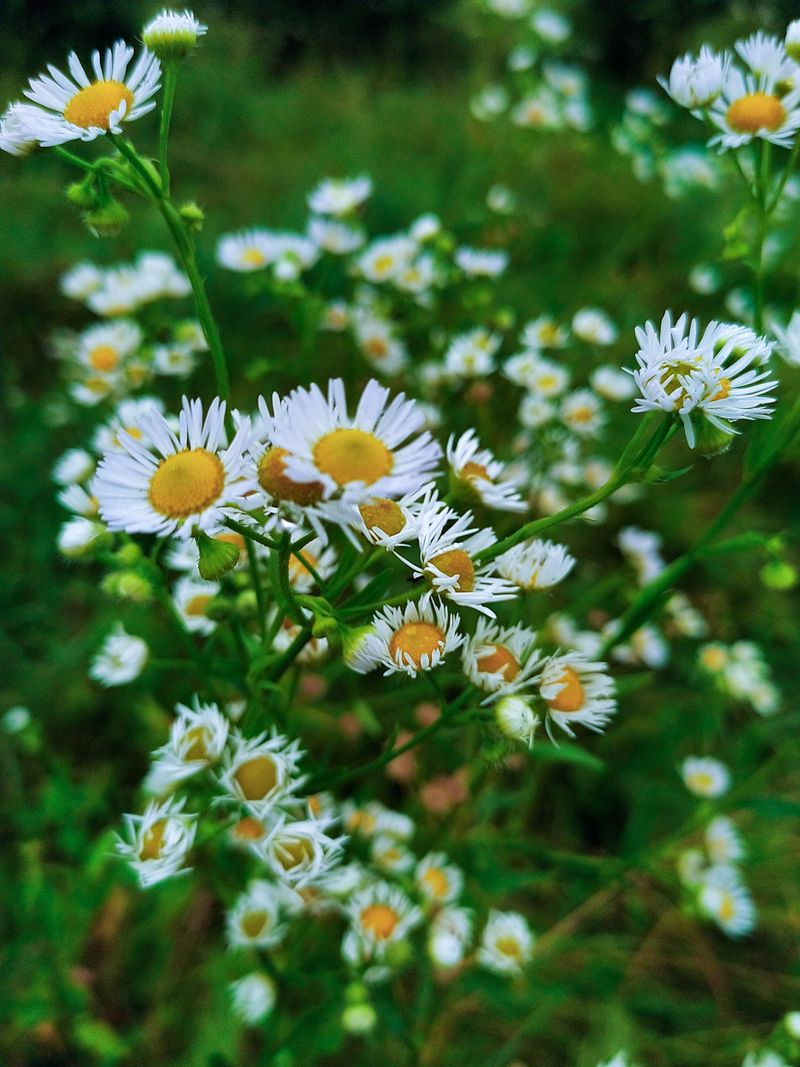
x=167 y=100
x=249 y=534
x=252 y=561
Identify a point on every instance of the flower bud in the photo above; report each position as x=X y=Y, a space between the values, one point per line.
x=193 y=215
x=516 y=719
x=128 y=585
x=359 y=1018
x=172 y=35
x=352 y=640
x=712 y=440
x=216 y=557
x=246 y=604
x=107 y=220
x=779 y=575
x=83 y=194
x=129 y=555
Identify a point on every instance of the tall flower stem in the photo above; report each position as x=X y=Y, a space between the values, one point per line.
x=167 y=100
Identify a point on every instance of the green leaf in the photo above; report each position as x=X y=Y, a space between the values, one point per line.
x=566 y=752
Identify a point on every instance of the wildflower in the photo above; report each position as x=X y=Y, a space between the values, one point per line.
x=471 y=355
x=255 y=920
x=158 y=840
x=339 y=197
x=449 y=936
x=78 y=108
x=490 y=102
x=723 y=842
x=576 y=690
x=259 y=772
x=22 y=126
x=481 y=263
x=755 y=104
x=79 y=536
x=612 y=383
x=335 y=237
x=544 y=332
x=551 y=25
x=642 y=549
x=516 y=719
x=582 y=412
x=377 y=340
x=594 y=326
x=380 y=916
x=300 y=852
x=121 y=658
x=172 y=35
x=705 y=777
x=500 y=659
x=723 y=897
x=696 y=83
x=75 y=465
x=386 y=258
x=438 y=881
x=169 y=482
x=506 y=944
x=389 y=855
x=253 y=997
x=413 y=638
x=535 y=564
x=481 y=474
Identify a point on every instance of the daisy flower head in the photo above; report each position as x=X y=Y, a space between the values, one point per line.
x=103 y=349
x=714 y=373
x=317 y=451
x=723 y=897
x=500 y=659
x=391 y=856
x=198 y=734
x=576 y=690
x=173 y=35
x=80 y=107
x=121 y=659
x=170 y=481
x=481 y=474
x=696 y=82
x=380 y=915
x=535 y=564
x=582 y=412
x=386 y=258
x=449 y=546
x=541 y=377
x=260 y=772
x=413 y=638
x=481 y=262
x=471 y=355
x=449 y=936
x=705 y=777
x=723 y=843
x=300 y=852
x=791 y=41
x=334 y=237
x=439 y=881
x=762 y=102
x=254 y=921
x=506 y=944
x=378 y=342
x=80 y=535
x=21 y=126
x=253 y=997
x=544 y=332
x=612 y=383
x=156 y=843
x=246 y=251
x=316 y=556
x=594 y=326
x=339 y=196
x=516 y=719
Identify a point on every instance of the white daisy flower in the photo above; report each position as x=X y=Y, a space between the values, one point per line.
x=723 y=843
x=723 y=897
x=535 y=564
x=383 y=522
x=197 y=740
x=414 y=638
x=544 y=332
x=425 y=228
x=80 y=281
x=551 y=25
x=79 y=535
x=612 y=383
x=74 y=465
x=576 y=690
x=696 y=83
x=645 y=646
x=471 y=355
x=500 y=659
x=764 y=56
x=789 y=338
x=22 y=126
x=481 y=474
x=481 y=262
x=254 y=921
x=121 y=659
x=334 y=237
x=248 y=250
x=126 y=416
x=386 y=258
x=260 y=772
x=379 y=915
x=374 y=818
x=76 y=499
x=516 y=719
x=754 y=106
x=82 y=108
x=538 y=111
x=582 y=412
x=339 y=196
x=300 y=852
x=449 y=936
x=378 y=342
x=336 y=316
x=253 y=997
x=390 y=856
x=174 y=360
x=642 y=549
x=191 y=596
x=705 y=777
x=102 y=349
x=791 y=41
x=170 y=482
x=156 y=843
x=510 y=9
x=489 y=102
x=506 y=943
x=535 y=412
x=318 y=450
x=172 y=34
x=594 y=326
x=713 y=373
x=439 y=881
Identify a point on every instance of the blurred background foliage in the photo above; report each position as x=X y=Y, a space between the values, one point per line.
x=282 y=94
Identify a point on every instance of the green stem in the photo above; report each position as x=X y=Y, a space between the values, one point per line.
x=249 y=534
x=92 y=168
x=167 y=100
x=252 y=561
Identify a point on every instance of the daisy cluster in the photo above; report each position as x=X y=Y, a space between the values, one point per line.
x=539 y=87
x=740 y=671
x=711 y=873
x=133 y=344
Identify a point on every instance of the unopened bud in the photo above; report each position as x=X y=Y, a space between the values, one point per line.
x=83 y=194
x=216 y=557
x=107 y=220
x=172 y=35
x=359 y=1018
x=192 y=214
x=516 y=719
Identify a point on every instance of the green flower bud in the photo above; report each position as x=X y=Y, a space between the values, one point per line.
x=218 y=609
x=779 y=575
x=129 y=555
x=356 y=993
x=83 y=194
x=107 y=220
x=216 y=557
x=711 y=440
x=246 y=604
x=359 y=1018
x=128 y=585
x=352 y=640
x=516 y=719
x=172 y=35
x=192 y=214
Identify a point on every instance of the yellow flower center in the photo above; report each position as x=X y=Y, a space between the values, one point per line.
x=436 y=881
x=231 y=538
x=727 y=908
x=508 y=946
x=380 y=920
x=254 y=923
x=499 y=661
x=104 y=358
x=455 y=563
x=724 y=390
x=249 y=829
x=198 y=738
x=254 y=257
x=187 y=483
x=383 y=264
x=91 y=107
x=353 y=456
x=153 y=841
x=415 y=640
x=383 y=514
x=272 y=478
x=701 y=782
x=293 y=853
x=256 y=777
x=756 y=111
x=472 y=470
x=571 y=696
x=376 y=347
x=196 y=605
x=714 y=658
x=581 y=415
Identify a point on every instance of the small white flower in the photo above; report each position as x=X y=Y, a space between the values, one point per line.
x=583 y=413
x=80 y=281
x=260 y=772
x=481 y=262
x=334 y=237
x=121 y=658
x=723 y=897
x=576 y=690
x=594 y=326
x=172 y=34
x=339 y=196
x=78 y=536
x=612 y=383
x=425 y=228
x=501 y=659
x=75 y=465
x=490 y=102
x=300 y=852
x=705 y=777
x=696 y=83
x=482 y=474
x=413 y=638
x=723 y=842
x=156 y=843
x=754 y=105
x=551 y=25
x=516 y=719
x=255 y=918
x=380 y=915
x=449 y=936
x=387 y=258
x=439 y=881
x=253 y=997
x=390 y=856
x=471 y=355
x=506 y=944
x=544 y=332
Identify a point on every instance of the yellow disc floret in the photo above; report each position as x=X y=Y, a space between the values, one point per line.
x=104 y=358
x=254 y=923
x=256 y=777
x=756 y=111
x=383 y=514
x=153 y=841
x=353 y=456
x=415 y=640
x=455 y=563
x=187 y=483
x=92 y=107
x=500 y=660
x=570 y=697
x=272 y=478
x=380 y=920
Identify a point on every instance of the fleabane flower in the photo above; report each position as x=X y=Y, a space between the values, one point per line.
x=83 y=108
x=339 y=196
x=705 y=776
x=723 y=897
x=449 y=936
x=156 y=843
x=253 y=997
x=439 y=881
x=481 y=262
x=758 y=105
x=317 y=451
x=594 y=326
x=414 y=638
x=481 y=474
x=715 y=374
x=506 y=943
x=21 y=126
x=500 y=659
x=723 y=843
x=471 y=354
x=516 y=719
x=300 y=852
x=260 y=772
x=449 y=546
x=576 y=690
x=535 y=564
x=170 y=481
x=191 y=597
x=695 y=83
x=121 y=658
x=582 y=412
x=254 y=921
x=172 y=35
x=380 y=916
